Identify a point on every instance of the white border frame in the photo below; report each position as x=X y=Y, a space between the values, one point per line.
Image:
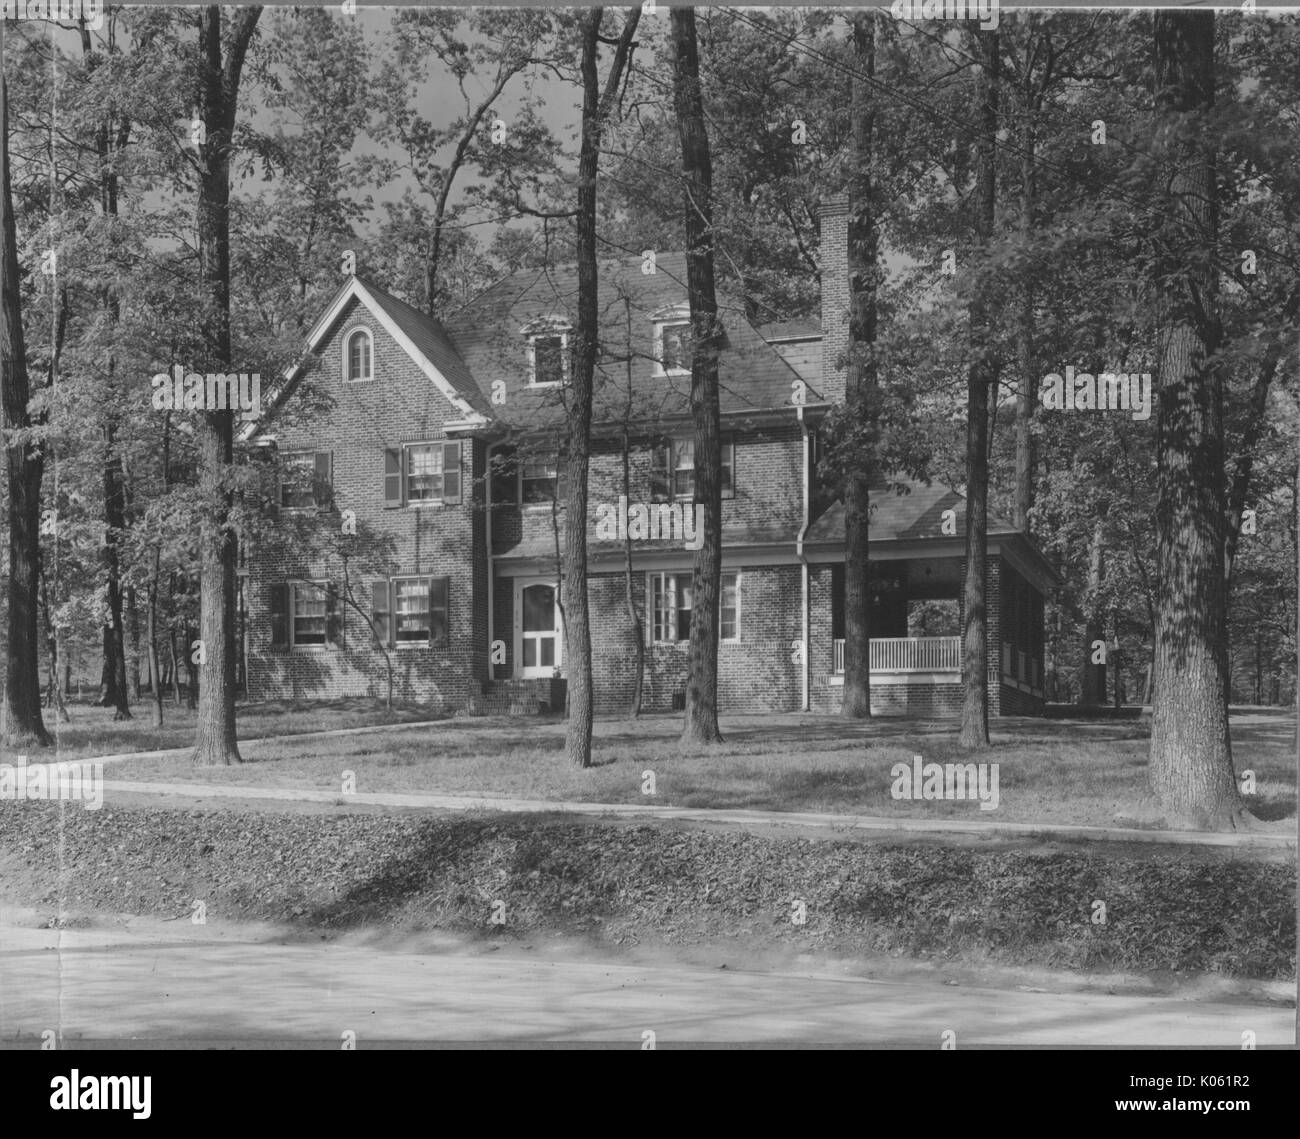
x=346 y=353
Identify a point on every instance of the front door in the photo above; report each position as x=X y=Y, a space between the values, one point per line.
x=539 y=646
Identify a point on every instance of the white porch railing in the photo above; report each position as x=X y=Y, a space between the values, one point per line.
x=907 y=654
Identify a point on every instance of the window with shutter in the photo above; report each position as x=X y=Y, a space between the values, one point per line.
x=309 y=619
x=672 y=469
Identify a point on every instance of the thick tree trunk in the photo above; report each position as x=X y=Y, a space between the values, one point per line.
x=115 y=695
x=1026 y=389
x=54 y=695
x=862 y=259
x=633 y=613
x=980 y=380
x=701 y=721
x=1191 y=756
x=21 y=725
x=218 y=91
x=577 y=612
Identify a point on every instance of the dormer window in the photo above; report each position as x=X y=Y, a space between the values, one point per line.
x=672 y=340
x=358 y=355
x=548 y=351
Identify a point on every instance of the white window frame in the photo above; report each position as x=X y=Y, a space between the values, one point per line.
x=407 y=500
x=664 y=319
x=678 y=576
x=526 y=504
x=287 y=459
x=347 y=354
x=323 y=588
x=409 y=643
x=546 y=328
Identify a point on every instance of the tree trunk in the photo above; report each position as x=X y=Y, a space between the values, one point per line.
x=215 y=742
x=860 y=395
x=1092 y=676
x=633 y=613
x=980 y=380
x=701 y=721
x=134 y=625
x=21 y=725
x=1026 y=394
x=114 y=523
x=151 y=633
x=577 y=613
x=1191 y=755
x=54 y=698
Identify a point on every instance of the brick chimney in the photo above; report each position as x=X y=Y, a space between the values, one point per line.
x=833 y=219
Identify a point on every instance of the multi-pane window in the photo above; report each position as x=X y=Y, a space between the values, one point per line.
x=305 y=479
x=540 y=479
x=670 y=604
x=411 y=610
x=358 y=352
x=310 y=615
x=672 y=469
x=422 y=472
x=411 y=598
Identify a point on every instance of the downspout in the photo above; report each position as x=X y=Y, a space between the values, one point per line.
x=805 y=678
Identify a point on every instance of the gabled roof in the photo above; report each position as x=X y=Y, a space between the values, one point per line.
x=421 y=336
x=431 y=339
x=487 y=333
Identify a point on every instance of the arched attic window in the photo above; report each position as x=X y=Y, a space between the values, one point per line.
x=358 y=355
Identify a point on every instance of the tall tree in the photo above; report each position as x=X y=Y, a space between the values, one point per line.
x=861 y=380
x=577 y=629
x=701 y=724
x=21 y=724
x=220 y=66
x=1191 y=757
x=981 y=377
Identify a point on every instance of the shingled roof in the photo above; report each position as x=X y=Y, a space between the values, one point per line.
x=488 y=333
x=430 y=337
x=904 y=510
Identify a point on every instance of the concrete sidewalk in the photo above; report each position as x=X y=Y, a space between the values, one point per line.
x=707 y=814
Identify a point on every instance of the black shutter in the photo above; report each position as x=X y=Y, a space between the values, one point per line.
x=728 y=467
x=439 y=630
x=451 y=473
x=392 y=477
x=279 y=603
x=323 y=487
x=382 y=612
x=333 y=619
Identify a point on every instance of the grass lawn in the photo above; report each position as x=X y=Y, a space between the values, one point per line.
x=92 y=731
x=1050 y=771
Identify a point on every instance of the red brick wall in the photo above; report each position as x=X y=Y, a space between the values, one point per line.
x=834 y=256
x=399 y=405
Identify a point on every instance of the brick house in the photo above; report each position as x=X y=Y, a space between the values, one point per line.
x=420 y=524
